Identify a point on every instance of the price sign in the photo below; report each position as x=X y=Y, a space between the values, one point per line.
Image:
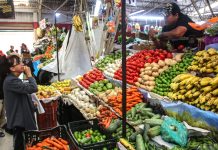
x=7 y=9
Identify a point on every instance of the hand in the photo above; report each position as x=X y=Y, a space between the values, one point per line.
x=152 y=33
x=27 y=71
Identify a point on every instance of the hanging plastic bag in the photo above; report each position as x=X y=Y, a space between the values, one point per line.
x=173 y=131
x=111 y=26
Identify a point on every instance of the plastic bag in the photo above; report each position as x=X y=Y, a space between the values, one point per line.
x=173 y=131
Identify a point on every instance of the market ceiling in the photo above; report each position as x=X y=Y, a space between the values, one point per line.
x=149 y=7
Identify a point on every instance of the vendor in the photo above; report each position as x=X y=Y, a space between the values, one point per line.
x=176 y=27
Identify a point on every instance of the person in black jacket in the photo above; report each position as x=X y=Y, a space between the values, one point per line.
x=17 y=99
x=3 y=74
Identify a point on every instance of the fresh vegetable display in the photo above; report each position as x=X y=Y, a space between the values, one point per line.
x=51 y=143
x=152 y=70
x=199 y=143
x=197 y=91
x=90 y=77
x=64 y=87
x=133 y=97
x=85 y=104
x=100 y=86
x=89 y=136
x=136 y=62
x=112 y=92
x=128 y=39
x=102 y=64
x=141 y=114
x=46 y=92
x=105 y=116
x=112 y=68
x=163 y=81
x=205 y=61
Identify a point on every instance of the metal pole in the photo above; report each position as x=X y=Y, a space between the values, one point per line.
x=56 y=38
x=211 y=10
x=123 y=12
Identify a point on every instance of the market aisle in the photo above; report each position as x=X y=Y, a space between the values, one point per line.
x=6 y=143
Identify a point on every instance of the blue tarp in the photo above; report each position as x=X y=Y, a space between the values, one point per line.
x=35 y=66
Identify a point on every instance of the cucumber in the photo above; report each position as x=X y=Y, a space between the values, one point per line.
x=139 y=142
x=113 y=126
x=132 y=138
x=153 y=122
x=145 y=134
x=133 y=112
x=135 y=123
x=154 y=131
x=156 y=117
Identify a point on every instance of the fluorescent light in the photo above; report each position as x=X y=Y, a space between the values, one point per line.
x=57 y=14
x=146 y=18
x=136 y=12
x=97 y=7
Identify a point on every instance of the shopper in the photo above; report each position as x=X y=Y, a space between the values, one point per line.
x=11 y=50
x=2 y=76
x=176 y=27
x=24 y=49
x=18 y=103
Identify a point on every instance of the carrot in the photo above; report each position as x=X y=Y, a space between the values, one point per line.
x=54 y=144
x=63 y=141
x=59 y=142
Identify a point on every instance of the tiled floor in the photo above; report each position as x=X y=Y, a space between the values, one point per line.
x=6 y=143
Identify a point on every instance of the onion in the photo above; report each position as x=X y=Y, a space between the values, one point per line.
x=161 y=63
x=151 y=78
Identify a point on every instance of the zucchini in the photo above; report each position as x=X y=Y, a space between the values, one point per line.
x=113 y=126
x=145 y=112
x=155 y=131
x=156 y=117
x=153 y=122
x=132 y=138
x=133 y=112
x=135 y=123
x=126 y=144
x=145 y=134
x=139 y=142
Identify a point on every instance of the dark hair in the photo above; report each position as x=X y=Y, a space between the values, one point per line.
x=171 y=8
x=13 y=59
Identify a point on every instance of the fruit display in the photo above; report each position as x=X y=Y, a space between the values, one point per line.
x=105 y=116
x=64 y=87
x=102 y=64
x=163 y=81
x=205 y=61
x=100 y=86
x=197 y=91
x=85 y=104
x=136 y=62
x=50 y=143
x=152 y=70
x=112 y=68
x=111 y=92
x=45 y=92
x=141 y=114
x=89 y=136
x=90 y=77
x=133 y=97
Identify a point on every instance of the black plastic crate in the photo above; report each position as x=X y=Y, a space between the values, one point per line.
x=109 y=143
x=33 y=137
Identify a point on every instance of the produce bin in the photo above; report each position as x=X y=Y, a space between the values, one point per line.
x=49 y=118
x=110 y=142
x=33 y=137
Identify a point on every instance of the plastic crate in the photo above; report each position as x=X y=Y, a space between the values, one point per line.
x=33 y=137
x=48 y=119
x=109 y=143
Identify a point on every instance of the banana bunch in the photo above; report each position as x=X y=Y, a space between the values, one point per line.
x=205 y=61
x=77 y=23
x=200 y=92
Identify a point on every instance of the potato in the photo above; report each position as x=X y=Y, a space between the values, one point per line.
x=148 y=68
x=151 y=78
x=161 y=63
x=140 y=80
x=155 y=74
x=154 y=69
x=137 y=84
x=147 y=65
x=165 y=68
x=145 y=77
